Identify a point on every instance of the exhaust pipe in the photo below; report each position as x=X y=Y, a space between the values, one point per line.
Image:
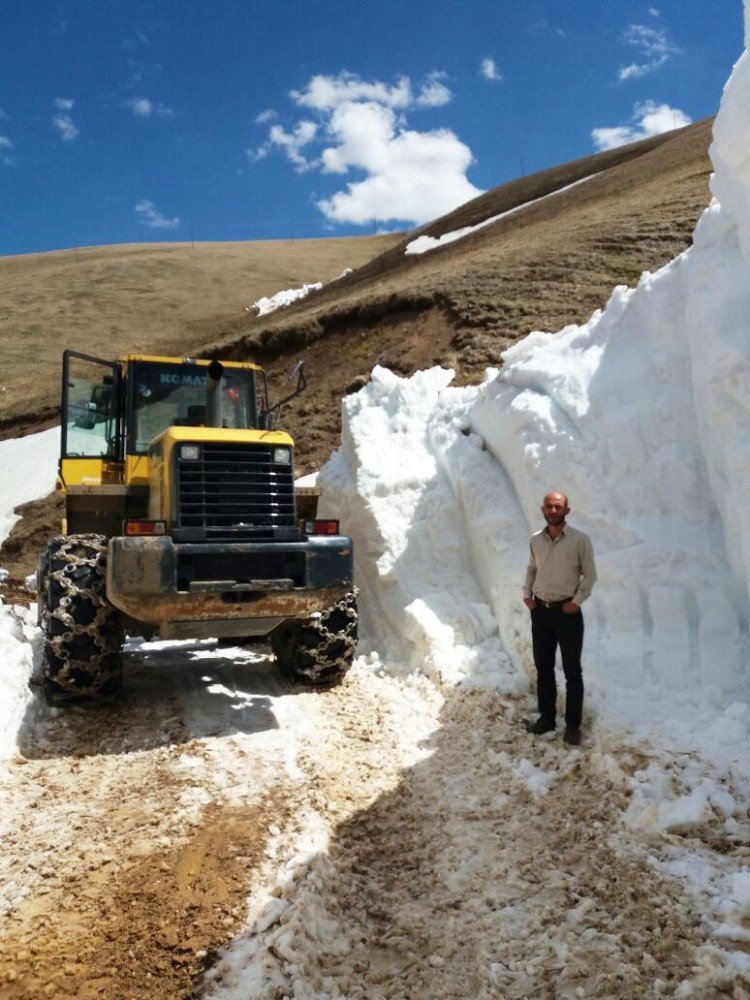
x=213 y=396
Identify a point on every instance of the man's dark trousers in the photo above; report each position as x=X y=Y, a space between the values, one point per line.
x=551 y=627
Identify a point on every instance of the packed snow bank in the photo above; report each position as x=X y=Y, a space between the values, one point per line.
x=423 y=244
x=29 y=467
x=641 y=415
x=422 y=604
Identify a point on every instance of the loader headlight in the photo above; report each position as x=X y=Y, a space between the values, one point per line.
x=190 y=452
x=282 y=456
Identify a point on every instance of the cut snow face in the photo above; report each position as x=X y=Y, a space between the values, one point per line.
x=641 y=417
x=422 y=244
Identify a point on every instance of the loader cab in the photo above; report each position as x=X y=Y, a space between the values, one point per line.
x=111 y=410
x=162 y=394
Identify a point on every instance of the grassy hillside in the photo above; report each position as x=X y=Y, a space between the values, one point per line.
x=156 y=297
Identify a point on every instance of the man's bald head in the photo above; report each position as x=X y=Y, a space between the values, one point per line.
x=555 y=509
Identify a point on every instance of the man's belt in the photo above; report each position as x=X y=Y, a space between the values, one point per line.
x=551 y=605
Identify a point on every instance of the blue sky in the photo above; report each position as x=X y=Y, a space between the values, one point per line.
x=134 y=121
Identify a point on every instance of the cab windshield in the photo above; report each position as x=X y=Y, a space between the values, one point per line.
x=163 y=395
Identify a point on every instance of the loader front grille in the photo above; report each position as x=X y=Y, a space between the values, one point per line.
x=234 y=491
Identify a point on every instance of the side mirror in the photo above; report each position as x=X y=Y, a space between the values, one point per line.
x=269 y=417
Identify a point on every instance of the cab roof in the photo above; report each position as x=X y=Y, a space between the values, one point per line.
x=159 y=359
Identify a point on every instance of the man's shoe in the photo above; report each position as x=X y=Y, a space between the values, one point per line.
x=539 y=727
x=572 y=736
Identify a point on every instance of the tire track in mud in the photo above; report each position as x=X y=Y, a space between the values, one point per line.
x=130 y=846
x=142 y=927
x=125 y=875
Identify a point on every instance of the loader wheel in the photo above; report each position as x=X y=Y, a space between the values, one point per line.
x=82 y=632
x=318 y=650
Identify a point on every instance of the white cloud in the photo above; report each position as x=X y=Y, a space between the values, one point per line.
x=651 y=42
x=489 y=69
x=654 y=12
x=412 y=176
x=143 y=107
x=636 y=70
x=254 y=155
x=433 y=93
x=409 y=176
x=649 y=119
x=654 y=47
x=265 y=116
x=324 y=93
x=292 y=142
x=151 y=217
x=5 y=142
x=63 y=121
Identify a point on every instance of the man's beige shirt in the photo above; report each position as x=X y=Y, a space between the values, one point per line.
x=560 y=567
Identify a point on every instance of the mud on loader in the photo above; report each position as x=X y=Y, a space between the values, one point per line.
x=182 y=521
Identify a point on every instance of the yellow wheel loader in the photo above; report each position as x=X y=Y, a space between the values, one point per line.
x=182 y=521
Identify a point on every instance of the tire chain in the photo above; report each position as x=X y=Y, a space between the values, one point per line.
x=319 y=653
x=97 y=628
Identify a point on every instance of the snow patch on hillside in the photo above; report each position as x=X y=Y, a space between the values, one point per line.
x=423 y=244
x=29 y=467
x=270 y=303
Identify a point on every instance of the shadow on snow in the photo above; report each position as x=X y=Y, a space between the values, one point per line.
x=172 y=693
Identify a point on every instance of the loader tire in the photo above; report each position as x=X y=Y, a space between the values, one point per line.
x=318 y=650
x=82 y=631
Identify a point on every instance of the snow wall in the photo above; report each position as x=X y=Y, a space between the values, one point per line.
x=642 y=416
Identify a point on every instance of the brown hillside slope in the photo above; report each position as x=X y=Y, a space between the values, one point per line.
x=547 y=265
x=156 y=297
x=542 y=267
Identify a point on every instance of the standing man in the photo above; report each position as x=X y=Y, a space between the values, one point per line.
x=560 y=576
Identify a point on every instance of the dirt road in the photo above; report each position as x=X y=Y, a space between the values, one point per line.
x=133 y=835
x=378 y=840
